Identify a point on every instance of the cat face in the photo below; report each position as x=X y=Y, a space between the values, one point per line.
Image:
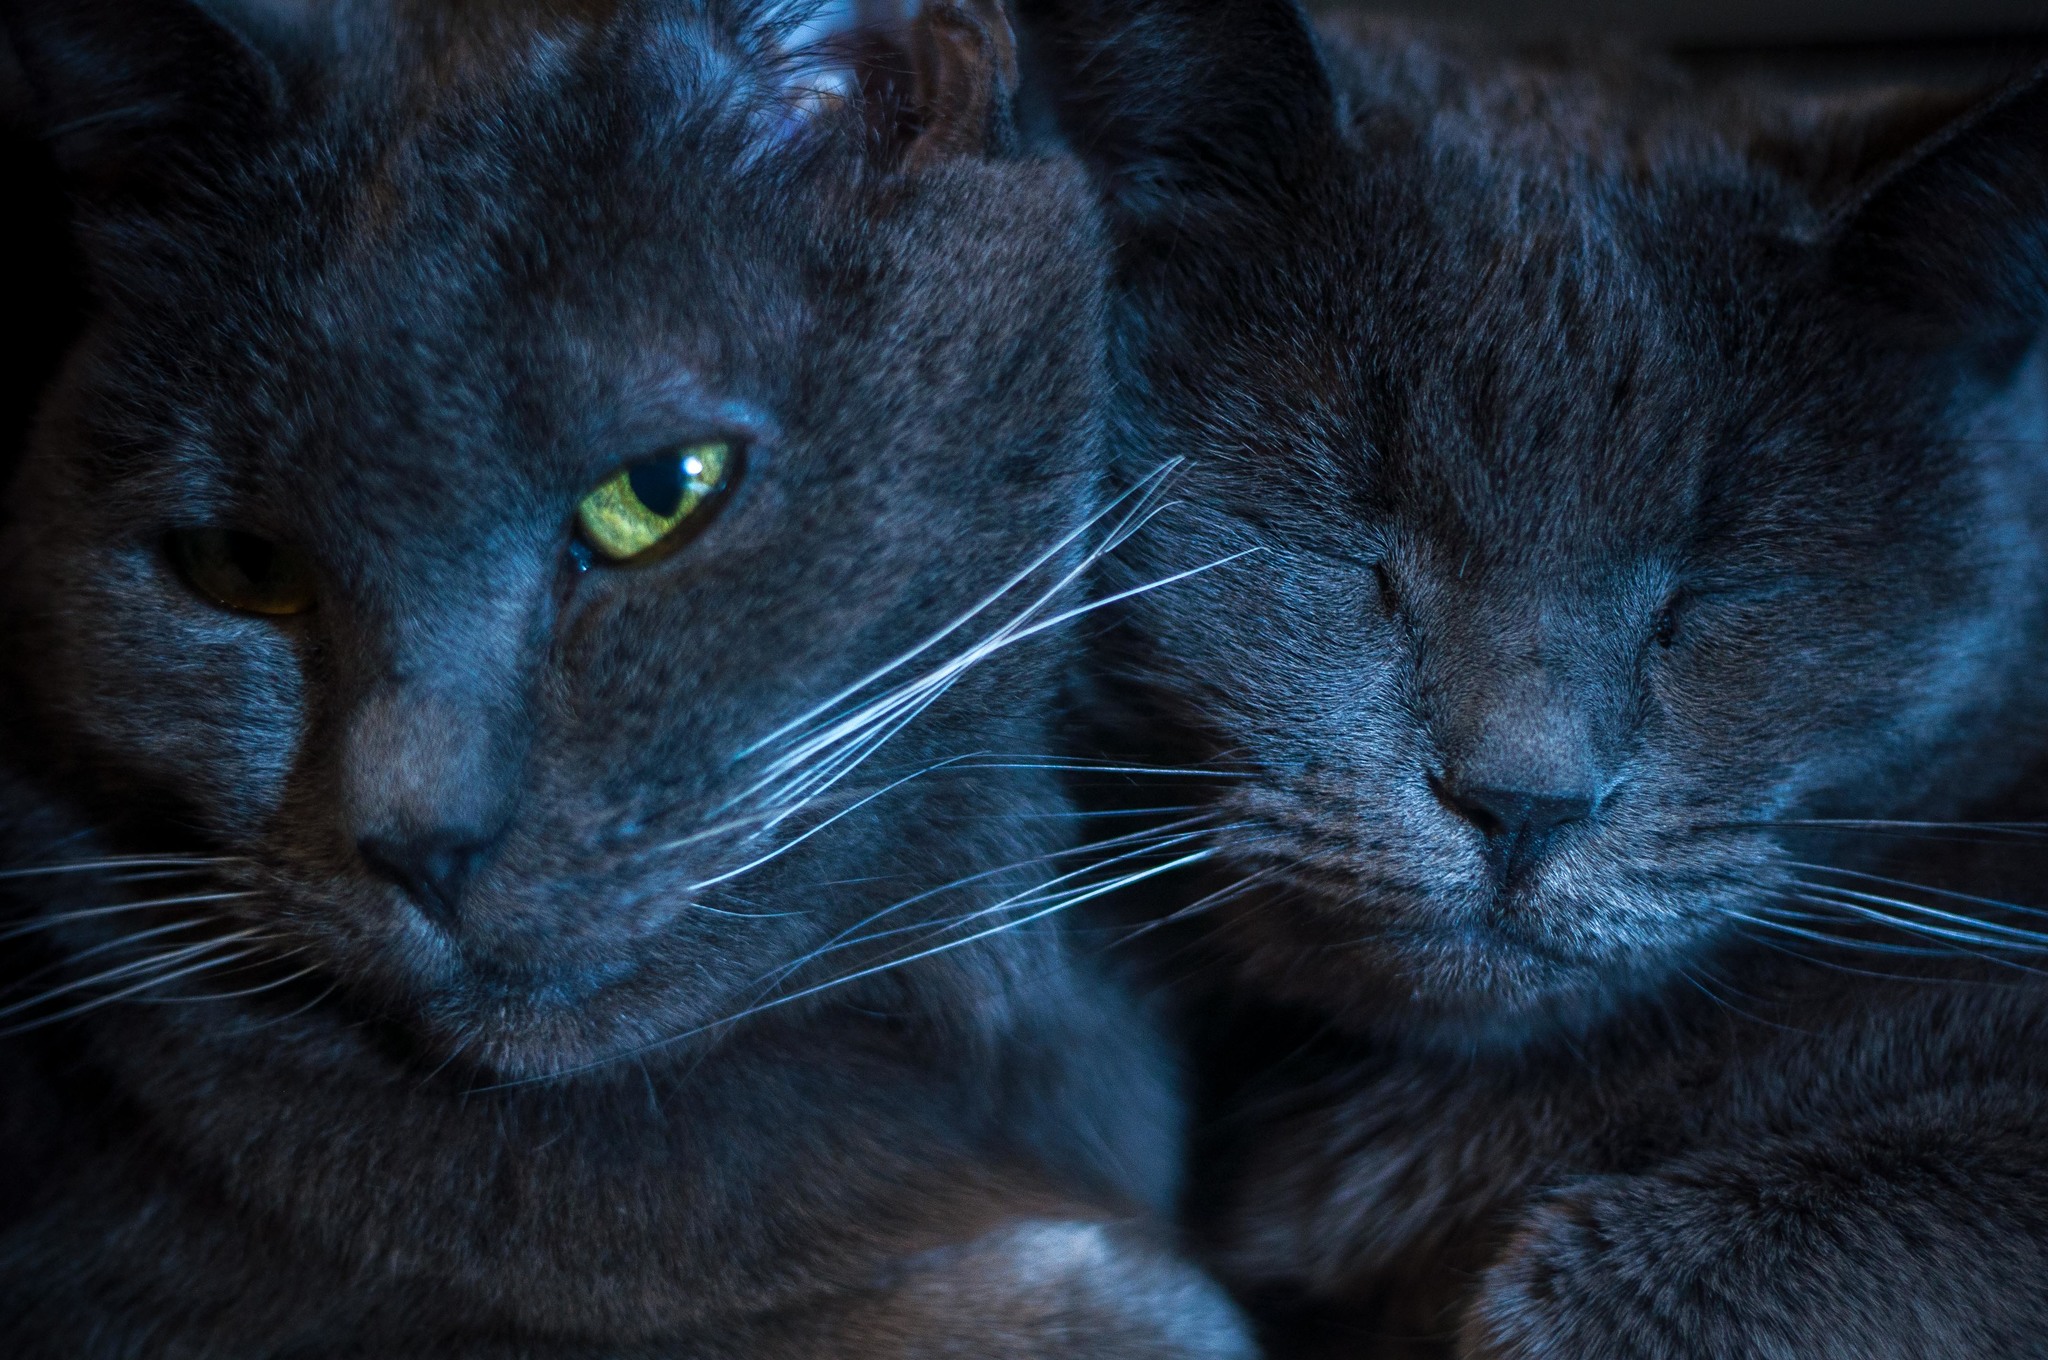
x=1600 y=511
x=305 y=554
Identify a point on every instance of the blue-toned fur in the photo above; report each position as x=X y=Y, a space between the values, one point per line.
x=397 y=285
x=1628 y=467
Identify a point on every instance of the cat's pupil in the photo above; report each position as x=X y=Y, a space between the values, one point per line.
x=253 y=557
x=659 y=484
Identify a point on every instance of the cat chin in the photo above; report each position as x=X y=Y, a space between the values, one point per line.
x=1464 y=988
x=535 y=1044
x=535 y=1026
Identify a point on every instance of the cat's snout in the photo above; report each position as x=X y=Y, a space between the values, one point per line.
x=1518 y=823
x=432 y=870
x=431 y=778
x=1528 y=771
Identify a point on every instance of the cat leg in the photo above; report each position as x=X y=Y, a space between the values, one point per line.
x=1917 y=1236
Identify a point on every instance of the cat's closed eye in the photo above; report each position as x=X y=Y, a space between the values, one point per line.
x=1389 y=589
x=649 y=508
x=243 y=572
x=1664 y=627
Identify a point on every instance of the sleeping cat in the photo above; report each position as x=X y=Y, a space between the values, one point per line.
x=504 y=602
x=1639 y=478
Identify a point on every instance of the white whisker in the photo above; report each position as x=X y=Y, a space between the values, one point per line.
x=1067 y=901
x=191 y=862
x=204 y=965
x=1132 y=845
x=152 y=963
x=87 y=913
x=1948 y=894
x=1144 y=487
x=1970 y=933
x=1881 y=902
x=237 y=995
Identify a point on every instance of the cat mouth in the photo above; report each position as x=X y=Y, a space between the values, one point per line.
x=1360 y=937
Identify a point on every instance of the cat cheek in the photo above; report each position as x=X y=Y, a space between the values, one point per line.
x=204 y=705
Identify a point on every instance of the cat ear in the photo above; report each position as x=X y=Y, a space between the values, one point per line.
x=963 y=59
x=1952 y=240
x=128 y=92
x=938 y=79
x=1173 y=100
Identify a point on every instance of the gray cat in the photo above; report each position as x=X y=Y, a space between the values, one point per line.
x=506 y=602
x=1634 y=474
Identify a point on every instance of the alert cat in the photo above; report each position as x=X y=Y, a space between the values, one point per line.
x=507 y=605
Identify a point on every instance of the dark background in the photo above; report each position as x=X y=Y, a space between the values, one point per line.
x=1730 y=23
x=1806 y=42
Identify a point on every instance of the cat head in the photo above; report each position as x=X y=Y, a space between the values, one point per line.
x=1613 y=492
x=520 y=502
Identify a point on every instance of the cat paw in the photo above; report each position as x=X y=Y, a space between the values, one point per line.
x=1049 y=1288
x=1699 y=1263
x=1563 y=1288
x=1908 y=1241
x=1037 y=1289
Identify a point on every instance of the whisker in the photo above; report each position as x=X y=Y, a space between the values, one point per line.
x=1922 y=909
x=1994 y=903
x=1970 y=933
x=1131 y=845
x=842 y=743
x=87 y=913
x=1256 y=879
x=1070 y=900
x=1163 y=771
x=190 y=862
x=2017 y=828
x=1144 y=487
x=1875 y=946
x=154 y=962
x=899 y=707
x=258 y=990
x=1066 y=901
x=791 y=844
x=96 y=1003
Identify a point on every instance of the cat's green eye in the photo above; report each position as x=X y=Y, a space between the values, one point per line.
x=243 y=572
x=643 y=507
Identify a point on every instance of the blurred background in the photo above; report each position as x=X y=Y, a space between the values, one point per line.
x=1820 y=42
x=1729 y=23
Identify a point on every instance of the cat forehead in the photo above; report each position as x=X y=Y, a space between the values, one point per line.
x=422 y=275
x=1559 y=360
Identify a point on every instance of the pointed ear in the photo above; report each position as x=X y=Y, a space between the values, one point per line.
x=939 y=82
x=128 y=93
x=1952 y=239
x=1177 y=99
x=964 y=59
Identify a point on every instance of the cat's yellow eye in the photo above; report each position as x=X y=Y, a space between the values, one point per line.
x=243 y=572
x=643 y=507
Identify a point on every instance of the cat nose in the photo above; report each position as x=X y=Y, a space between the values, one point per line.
x=1518 y=823
x=430 y=783
x=433 y=870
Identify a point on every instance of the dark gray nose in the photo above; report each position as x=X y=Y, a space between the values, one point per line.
x=433 y=870
x=1518 y=824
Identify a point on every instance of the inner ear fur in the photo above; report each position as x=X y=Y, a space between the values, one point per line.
x=1951 y=239
x=129 y=93
x=965 y=62
x=939 y=78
